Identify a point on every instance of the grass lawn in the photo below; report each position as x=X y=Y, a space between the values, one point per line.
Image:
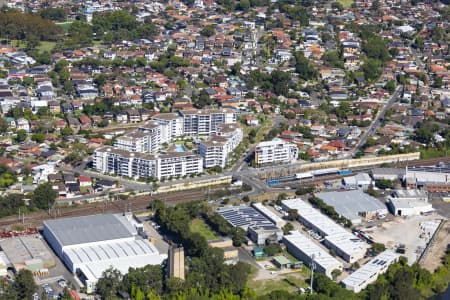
x=198 y=225
x=289 y=282
x=46 y=46
x=65 y=25
x=346 y=3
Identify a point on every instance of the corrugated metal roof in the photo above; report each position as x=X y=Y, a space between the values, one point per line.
x=89 y=229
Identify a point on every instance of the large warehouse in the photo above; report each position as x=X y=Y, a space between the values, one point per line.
x=243 y=216
x=354 y=205
x=369 y=273
x=89 y=245
x=429 y=178
x=409 y=203
x=302 y=248
x=342 y=242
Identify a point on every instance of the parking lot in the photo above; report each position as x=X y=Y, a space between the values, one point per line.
x=53 y=289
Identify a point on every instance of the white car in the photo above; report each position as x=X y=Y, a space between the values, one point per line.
x=62 y=283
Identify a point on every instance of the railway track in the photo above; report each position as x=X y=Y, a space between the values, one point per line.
x=320 y=179
x=138 y=203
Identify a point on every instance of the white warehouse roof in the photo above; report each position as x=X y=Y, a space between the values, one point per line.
x=269 y=214
x=370 y=271
x=121 y=255
x=309 y=248
x=335 y=234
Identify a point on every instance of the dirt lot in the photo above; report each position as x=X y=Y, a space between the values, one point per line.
x=403 y=231
x=431 y=260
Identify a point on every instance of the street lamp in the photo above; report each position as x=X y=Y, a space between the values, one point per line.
x=313 y=267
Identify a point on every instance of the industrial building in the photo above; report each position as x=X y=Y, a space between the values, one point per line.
x=342 y=242
x=429 y=178
x=89 y=245
x=302 y=248
x=243 y=216
x=409 y=203
x=27 y=252
x=275 y=151
x=358 y=181
x=230 y=253
x=369 y=273
x=262 y=235
x=388 y=174
x=269 y=214
x=260 y=228
x=354 y=205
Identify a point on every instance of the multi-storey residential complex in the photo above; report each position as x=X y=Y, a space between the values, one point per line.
x=134 y=164
x=275 y=151
x=205 y=121
x=170 y=124
x=136 y=142
x=131 y=156
x=215 y=151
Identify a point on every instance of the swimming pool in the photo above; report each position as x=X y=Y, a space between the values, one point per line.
x=180 y=148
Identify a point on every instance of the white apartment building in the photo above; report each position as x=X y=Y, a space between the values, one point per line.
x=134 y=142
x=275 y=151
x=109 y=160
x=205 y=121
x=216 y=150
x=232 y=131
x=171 y=125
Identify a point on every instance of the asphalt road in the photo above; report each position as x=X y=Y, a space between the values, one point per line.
x=377 y=122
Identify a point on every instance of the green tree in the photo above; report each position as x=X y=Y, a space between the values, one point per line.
x=208 y=31
x=54 y=14
x=376 y=48
x=378 y=248
x=24 y=284
x=3 y=125
x=287 y=228
x=81 y=35
x=383 y=184
x=147 y=278
x=292 y=214
x=272 y=249
x=244 y=5
x=238 y=235
x=372 y=69
x=303 y=67
x=390 y=86
x=44 y=196
x=332 y=59
x=38 y=137
x=239 y=275
x=108 y=285
x=66 y=131
x=21 y=135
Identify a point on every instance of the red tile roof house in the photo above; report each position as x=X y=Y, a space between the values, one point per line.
x=85 y=122
x=84 y=181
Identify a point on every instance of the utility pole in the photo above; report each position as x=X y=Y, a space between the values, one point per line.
x=313 y=266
